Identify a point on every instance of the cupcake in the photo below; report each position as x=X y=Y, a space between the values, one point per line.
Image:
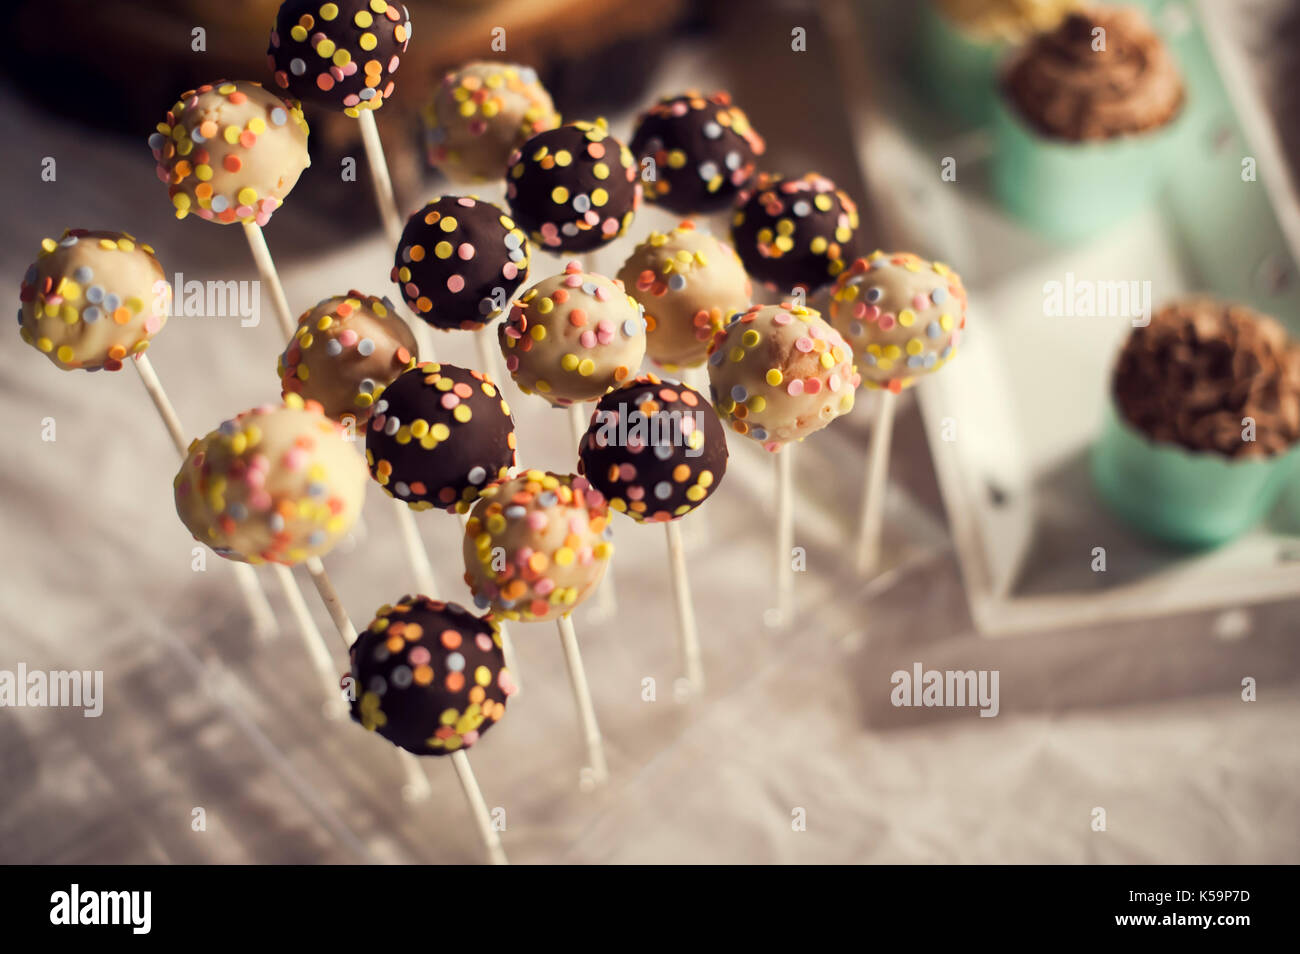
x=1086 y=122
x=1201 y=434
x=959 y=43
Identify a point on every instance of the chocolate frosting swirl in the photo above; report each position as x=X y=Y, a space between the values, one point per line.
x=1065 y=88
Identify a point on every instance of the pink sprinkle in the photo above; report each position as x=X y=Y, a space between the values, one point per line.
x=886 y=322
x=626 y=472
x=419 y=655
x=920 y=301
x=573 y=281
x=243 y=211
x=591 y=217
x=347 y=337
x=635 y=493
x=602 y=293
x=813 y=386
x=295 y=459
x=537 y=520
x=587 y=339
x=466 y=251
x=804 y=344
x=449 y=401
x=470 y=737
x=795 y=387
x=782 y=318
x=484 y=642
x=455 y=283
x=465 y=201
x=512 y=363
x=544 y=586
x=509 y=270
x=609 y=227
x=859 y=309
x=835 y=382
x=873 y=312
x=259 y=500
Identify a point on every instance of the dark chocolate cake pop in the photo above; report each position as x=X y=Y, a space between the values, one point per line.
x=438 y=435
x=429 y=676
x=459 y=262
x=703 y=149
x=655 y=449
x=573 y=188
x=339 y=54
x=794 y=232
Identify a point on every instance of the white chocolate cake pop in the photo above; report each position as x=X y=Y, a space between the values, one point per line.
x=91 y=299
x=278 y=483
x=779 y=373
x=689 y=284
x=573 y=336
x=553 y=531
x=480 y=114
x=230 y=152
x=902 y=315
x=346 y=350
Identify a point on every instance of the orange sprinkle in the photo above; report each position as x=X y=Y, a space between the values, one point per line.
x=455 y=681
x=117 y=351
x=450 y=638
x=207 y=129
x=232 y=163
x=247 y=139
x=237 y=97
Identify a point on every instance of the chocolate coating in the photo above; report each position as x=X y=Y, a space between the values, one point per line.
x=794 y=232
x=537 y=545
x=230 y=152
x=339 y=54
x=438 y=435
x=1064 y=87
x=902 y=315
x=345 y=350
x=278 y=483
x=703 y=149
x=655 y=449
x=573 y=336
x=573 y=188
x=778 y=373
x=689 y=284
x=429 y=676
x=459 y=262
x=480 y=114
x=92 y=298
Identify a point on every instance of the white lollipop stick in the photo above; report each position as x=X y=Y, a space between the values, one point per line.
x=271 y=278
x=488 y=353
x=313 y=639
x=417 y=787
x=605 y=600
x=784 y=536
x=478 y=808
x=425 y=581
x=871 y=524
x=259 y=609
x=385 y=198
x=597 y=770
x=688 y=637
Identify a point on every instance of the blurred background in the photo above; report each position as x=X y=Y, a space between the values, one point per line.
x=1123 y=694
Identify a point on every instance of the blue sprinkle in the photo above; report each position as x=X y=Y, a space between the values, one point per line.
x=237 y=512
x=663 y=451
x=874 y=294
x=366 y=347
x=276 y=523
x=156 y=140
x=455 y=662
x=663 y=490
x=632 y=327
x=95 y=293
x=933 y=330
x=316 y=538
x=931 y=359
x=317 y=488
x=548 y=499
x=367 y=93
x=89 y=316
x=333 y=348
x=939 y=295
x=197 y=136
x=229 y=428
x=481 y=601
x=870 y=359
x=914 y=361
x=70 y=241
x=279 y=117
x=677 y=282
x=946 y=351
x=220 y=203
x=401 y=677
x=739 y=392
x=83 y=274
x=476 y=475
x=760 y=433
x=715 y=359
x=856 y=328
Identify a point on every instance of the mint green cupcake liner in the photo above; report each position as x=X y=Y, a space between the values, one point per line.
x=1188 y=498
x=1071 y=190
x=953 y=69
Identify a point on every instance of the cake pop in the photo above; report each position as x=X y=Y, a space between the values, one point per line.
x=573 y=188
x=346 y=349
x=655 y=449
x=439 y=435
x=573 y=336
x=480 y=114
x=278 y=483
x=689 y=284
x=92 y=298
x=230 y=152
x=536 y=545
x=429 y=676
x=459 y=262
x=779 y=373
x=703 y=149
x=902 y=315
x=794 y=232
x=339 y=54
